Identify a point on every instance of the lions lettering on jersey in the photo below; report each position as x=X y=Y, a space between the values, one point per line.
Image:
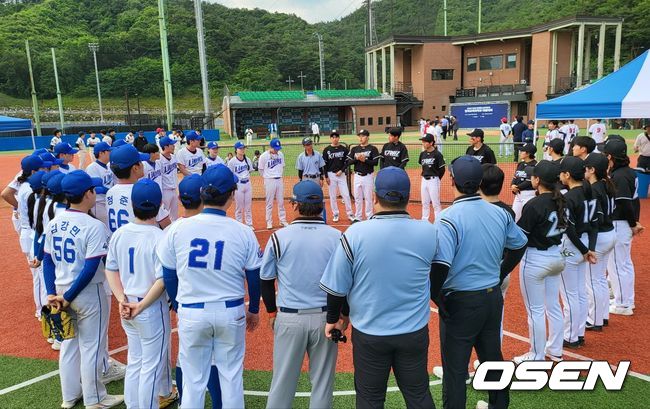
x=169 y=168
x=273 y=162
x=194 y=161
x=240 y=168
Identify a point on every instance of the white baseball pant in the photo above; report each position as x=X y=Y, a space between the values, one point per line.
x=202 y=331
x=148 y=339
x=505 y=144
x=520 y=200
x=82 y=158
x=91 y=154
x=338 y=184
x=244 y=203
x=430 y=192
x=574 y=290
x=100 y=212
x=597 y=289
x=170 y=201
x=15 y=220
x=363 y=186
x=539 y=276
x=274 y=191
x=80 y=358
x=620 y=267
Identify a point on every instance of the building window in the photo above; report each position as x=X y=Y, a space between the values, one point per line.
x=471 y=64
x=387 y=120
x=491 y=62
x=369 y=121
x=522 y=108
x=380 y=120
x=362 y=121
x=511 y=61
x=442 y=75
x=444 y=108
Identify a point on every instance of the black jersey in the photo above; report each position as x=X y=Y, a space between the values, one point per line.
x=433 y=163
x=505 y=207
x=394 y=154
x=582 y=210
x=371 y=154
x=485 y=154
x=522 y=175
x=624 y=180
x=335 y=158
x=605 y=207
x=541 y=222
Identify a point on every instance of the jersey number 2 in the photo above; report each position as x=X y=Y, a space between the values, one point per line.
x=554 y=231
x=199 y=253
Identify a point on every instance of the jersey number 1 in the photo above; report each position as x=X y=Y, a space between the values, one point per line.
x=200 y=250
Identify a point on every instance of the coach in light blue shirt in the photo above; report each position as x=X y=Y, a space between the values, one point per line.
x=383 y=267
x=472 y=237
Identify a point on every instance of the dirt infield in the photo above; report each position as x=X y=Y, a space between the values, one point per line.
x=624 y=339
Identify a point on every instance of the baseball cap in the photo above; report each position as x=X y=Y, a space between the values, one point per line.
x=597 y=161
x=393 y=184
x=477 y=133
x=102 y=147
x=126 y=156
x=54 y=182
x=40 y=151
x=189 y=190
x=48 y=176
x=574 y=165
x=557 y=145
x=159 y=130
x=466 y=171
x=192 y=136
x=306 y=141
x=78 y=182
x=529 y=147
x=363 y=132
x=547 y=171
x=334 y=132
x=240 y=144
x=219 y=177
x=395 y=131
x=64 y=148
x=53 y=160
x=36 y=180
x=166 y=141
x=504 y=119
x=531 y=122
x=146 y=195
x=428 y=138
x=615 y=147
x=119 y=142
x=275 y=144
x=31 y=163
x=213 y=145
x=307 y=191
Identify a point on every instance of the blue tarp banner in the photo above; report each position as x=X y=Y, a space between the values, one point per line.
x=485 y=115
x=9 y=124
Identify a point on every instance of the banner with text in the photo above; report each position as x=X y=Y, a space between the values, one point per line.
x=484 y=115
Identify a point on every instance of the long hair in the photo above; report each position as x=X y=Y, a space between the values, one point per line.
x=23 y=177
x=560 y=203
x=41 y=210
x=31 y=203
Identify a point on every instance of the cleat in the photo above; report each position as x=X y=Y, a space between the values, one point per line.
x=69 y=404
x=591 y=327
x=110 y=401
x=116 y=371
x=165 y=401
x=56 y=345
x=335 y=218
x=572 y=345
x=605 y=322
x=620 y=310
x=269 y=226
x=284 y=224
x=528 y=356
x=482 y=405
x=554 y=358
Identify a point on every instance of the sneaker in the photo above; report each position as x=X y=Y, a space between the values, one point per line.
x=116 y=371
x=482 y=405
x=620 y=310
x=351 y=218
x=164 y=401
x=591 y=327
x=69 y=404
x=50 y=340
x=110 y=401
x=335 y=218
x=605 y=322
x=528 y=356
x=476 y=364
x=554 y=358
x=56 y=345
x=572 y=345
x=437 y=371
x=632 y=306
x=269 y=226
x=284 y=224
x=581 y=340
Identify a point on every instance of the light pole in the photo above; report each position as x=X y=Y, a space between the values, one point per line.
x=322 y=62
x=94 y=47
x=203 y=64
x=302 y=77
x=290 y=81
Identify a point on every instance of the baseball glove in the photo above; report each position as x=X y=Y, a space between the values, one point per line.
x=56 y=324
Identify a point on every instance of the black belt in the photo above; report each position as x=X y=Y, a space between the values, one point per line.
x=363 y=174
x=429 y=177
x=277 y=178
x=311 y=176
x=475 y=292
x=295 y=311
x=243 y=181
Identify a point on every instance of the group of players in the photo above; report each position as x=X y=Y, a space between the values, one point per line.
x=132 y=195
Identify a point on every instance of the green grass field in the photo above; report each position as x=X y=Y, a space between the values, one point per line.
x=46 y=394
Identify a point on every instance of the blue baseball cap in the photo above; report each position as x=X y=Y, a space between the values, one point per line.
x=31 y=163
x=393 y=184
x=166 y=141
x=239 y=145
x=48 y=176
x=53 y=160
x=219 y=177
x=77 y=182
x=275 y=144
x=213 y=145
x=101 y=147
x=307 y=191
x=192 y=136
x=146 y=195
x=126 y=156
x=36 y=180
x=119 y=142
x=54 y=183
x=466 y=171
x=189 y=190
x=64 y=148
x=40 y=151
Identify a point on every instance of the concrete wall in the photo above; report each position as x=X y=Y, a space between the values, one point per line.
x=374 y=112
x=434 y=93
x=501 y=76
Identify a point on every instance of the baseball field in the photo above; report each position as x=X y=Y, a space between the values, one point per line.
x=28 y=367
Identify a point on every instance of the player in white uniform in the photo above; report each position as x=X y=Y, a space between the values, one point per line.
x=106 y=138
x=66 y=152
x=213 y=157
x=433 y=169
x=152 y=167
x=92 y=141
x=132 y=271
x=56 y=139
x=249 y=136
x=129 y=138
x=241 y=166
x=81 y=146
x=126 y=164
x=169 y=178
x=271 y=167
x=160 y=133
x=505 y=137
x=205 y=260
x=190 y=158
x=598 y=131
x=574 y=130
x=74 y=245
x=100 y=169
x=552 y=133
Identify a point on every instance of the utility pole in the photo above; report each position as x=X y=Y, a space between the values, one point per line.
x=302 y=77
x=139 y=113
x=290 y=81
x=480 y=5
x=203 y=63
x=37 y=115
x=167 y=77
x=58 y=91
x=370 y=23
x=322 y=60
x=444 y=10
x=345 y=81
x=94 y=47
x=128 y=107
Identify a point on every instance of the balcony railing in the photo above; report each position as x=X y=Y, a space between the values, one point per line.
x=491 y=91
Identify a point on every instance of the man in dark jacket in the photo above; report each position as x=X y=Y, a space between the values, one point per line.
x=517 y=131
x=140 y=141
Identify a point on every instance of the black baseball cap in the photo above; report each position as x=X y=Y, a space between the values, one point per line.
x=306 y=141
x=615 y=136
x=334 y=132
x=466 y=171
x=529 y=147
x=574 y=165
x=531 y=122
x=395 y=131
x=428 y=138
x=557 y=145
x=547 y=171
x=363 y=132
x=615 y=147
x=477 y=133
x=597 y=161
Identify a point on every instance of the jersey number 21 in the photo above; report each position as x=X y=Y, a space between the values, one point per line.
x=199 y=253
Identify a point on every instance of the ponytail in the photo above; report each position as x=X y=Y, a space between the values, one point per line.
x=31 y=202
x=23 y=177
x=560 y=203
x=41 y=210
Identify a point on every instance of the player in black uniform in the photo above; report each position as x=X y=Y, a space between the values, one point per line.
x=335 y=156
x=520 y=185
x=604 y=192
x=394 y=153
x=626 y=226
x=544 y=220
x=579 y=245
x=433 y=169
x=482 y=152
x=364 y=157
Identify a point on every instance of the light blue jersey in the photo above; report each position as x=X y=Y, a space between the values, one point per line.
x=472 y=234
x=310 y=164
x=297 y=256
x=382 y=265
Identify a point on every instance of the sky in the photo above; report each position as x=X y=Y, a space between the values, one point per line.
x=312 y=11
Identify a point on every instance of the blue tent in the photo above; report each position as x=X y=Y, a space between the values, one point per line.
x=622 y=94
x=9 y=124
